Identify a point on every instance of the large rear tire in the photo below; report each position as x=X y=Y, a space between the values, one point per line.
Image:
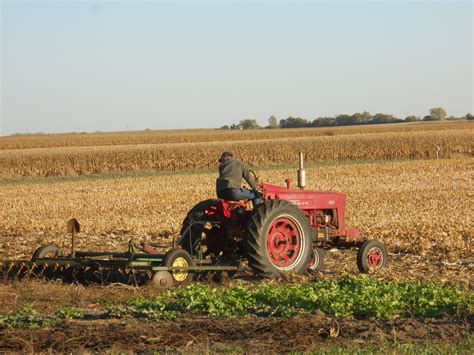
x=191 y=237
x=279 y=240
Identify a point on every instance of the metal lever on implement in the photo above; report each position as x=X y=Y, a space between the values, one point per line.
x=74 y=228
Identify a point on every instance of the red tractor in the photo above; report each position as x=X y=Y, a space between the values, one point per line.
x=287 y=233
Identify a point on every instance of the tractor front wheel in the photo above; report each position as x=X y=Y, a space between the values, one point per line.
x=278 y=240
x=372 y=256
x=316 y=263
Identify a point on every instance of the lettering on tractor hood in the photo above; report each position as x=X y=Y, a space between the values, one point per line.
x=299 y=202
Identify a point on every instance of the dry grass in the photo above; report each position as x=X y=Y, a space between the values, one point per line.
x=210 y=135
x=454 y=140
x=420 y=207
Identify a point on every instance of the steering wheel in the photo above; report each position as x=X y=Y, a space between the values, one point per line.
x=255 y=176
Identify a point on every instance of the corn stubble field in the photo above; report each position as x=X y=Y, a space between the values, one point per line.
x=408 y=185
x=414 y=205
x=197 y=150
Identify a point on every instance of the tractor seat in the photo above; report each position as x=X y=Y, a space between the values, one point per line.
x=241 y=203
x=228 y=205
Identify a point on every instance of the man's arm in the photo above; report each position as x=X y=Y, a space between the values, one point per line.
x=248 y=177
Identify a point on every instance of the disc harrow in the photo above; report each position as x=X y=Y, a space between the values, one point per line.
x=139 y=265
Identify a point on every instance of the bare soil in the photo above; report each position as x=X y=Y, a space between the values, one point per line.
x=204 y=334
x=241 y=334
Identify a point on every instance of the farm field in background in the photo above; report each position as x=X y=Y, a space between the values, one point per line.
x=25 y=141
x=140 y=185
x=73 y=155
x=405 y=204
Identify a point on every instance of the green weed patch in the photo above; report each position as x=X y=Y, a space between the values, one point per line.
x=29 y=318
x=350 y=296
x=359 y=297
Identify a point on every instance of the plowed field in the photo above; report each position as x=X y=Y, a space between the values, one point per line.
x=419 y=206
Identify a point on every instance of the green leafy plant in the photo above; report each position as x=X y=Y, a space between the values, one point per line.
x=356 y=296
x=349 y=296
x=29 y=318
x=69 y=313
x=26 y=318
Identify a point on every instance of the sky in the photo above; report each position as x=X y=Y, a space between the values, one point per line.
x=85 y=66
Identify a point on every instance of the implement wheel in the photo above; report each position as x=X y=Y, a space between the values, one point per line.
x=162 y=280
x=179 y=258
x=278 y=240
x=47 y=251
x=372 y=256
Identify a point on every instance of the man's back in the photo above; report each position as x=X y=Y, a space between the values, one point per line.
x=230 y=174
x=229 y=182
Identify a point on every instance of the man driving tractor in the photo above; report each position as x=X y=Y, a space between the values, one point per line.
x=229 y=182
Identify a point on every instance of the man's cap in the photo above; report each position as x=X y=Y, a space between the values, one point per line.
x=225 y=155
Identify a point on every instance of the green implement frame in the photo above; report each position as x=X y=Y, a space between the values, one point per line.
x=123 y=262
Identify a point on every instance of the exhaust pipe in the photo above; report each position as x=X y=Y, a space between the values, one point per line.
x=301 y=174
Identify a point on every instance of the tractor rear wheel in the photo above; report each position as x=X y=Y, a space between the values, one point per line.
x=190 y=237
x=278 y=240
x=47 y=251
x=372 y=256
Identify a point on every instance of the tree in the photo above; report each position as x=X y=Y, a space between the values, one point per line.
x=365 y=116
x=324 y=122
x=225 y=127
x=294 y=122
x=411 y=118
x=384 y=118
x=344 y=120
x=360 y=118
x=273 y=122
x=249 y=124
x=469 y=117
x=437 y=114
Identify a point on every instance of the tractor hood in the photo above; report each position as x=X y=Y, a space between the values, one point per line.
x=305 y=199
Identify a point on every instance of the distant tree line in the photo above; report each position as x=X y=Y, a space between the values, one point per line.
x=364 y=118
